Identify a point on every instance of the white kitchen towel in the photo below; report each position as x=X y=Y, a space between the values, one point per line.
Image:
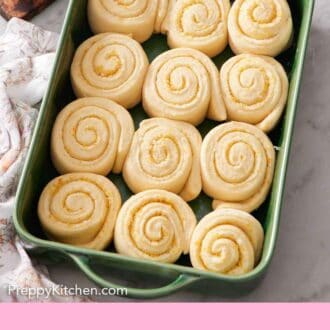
x=26 y=57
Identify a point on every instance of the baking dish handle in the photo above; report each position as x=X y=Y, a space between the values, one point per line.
x=180 y=282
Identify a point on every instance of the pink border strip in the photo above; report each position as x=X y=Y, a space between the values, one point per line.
x=164 y=316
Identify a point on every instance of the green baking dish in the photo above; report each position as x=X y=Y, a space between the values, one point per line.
x=39 y=171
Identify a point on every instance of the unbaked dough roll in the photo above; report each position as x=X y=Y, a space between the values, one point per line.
x=201 y=25
x=255 y=90
x=140 y=18
x=165 y=154
x=155 y=225
x=237 y=164
x=227 y=241
x=110 y=65
x=183 y=84
x=163 y=15
x=80 y=209
x=262 y=27
x=91 y=135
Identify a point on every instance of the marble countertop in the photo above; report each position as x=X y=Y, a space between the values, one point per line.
x=300 y=270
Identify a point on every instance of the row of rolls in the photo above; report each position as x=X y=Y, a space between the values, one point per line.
x=233 y=164
x=85 y=210
x=181 y=84
x=165 y=162
x=249 y=26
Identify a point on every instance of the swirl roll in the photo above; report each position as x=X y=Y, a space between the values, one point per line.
x=201 y=25
x=262 y=27
x=255 y=90
x=155 y=225
x=80 y=209
x=110 y=65
x=237 y=165
x=139 y=18
x=91 y=135
x=183 y=84
x=165 y=155
x=227 y=241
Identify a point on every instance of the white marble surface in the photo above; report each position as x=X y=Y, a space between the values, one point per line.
x=300 y=270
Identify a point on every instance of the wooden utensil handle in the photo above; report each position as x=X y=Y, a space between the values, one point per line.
x=22 y=8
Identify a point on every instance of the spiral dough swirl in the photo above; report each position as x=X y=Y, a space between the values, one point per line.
x=227 y=241
x=255 y=90
x=156 y=225
x=165 y=155
x=200 y=24
x=110 y=65
x=80 y=209
x=140 y=18
x=91 y=135
x=237 y=163
x=183 y=84
x=262 y=27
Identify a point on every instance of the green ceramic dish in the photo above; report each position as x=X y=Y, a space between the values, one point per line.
x=39 y=170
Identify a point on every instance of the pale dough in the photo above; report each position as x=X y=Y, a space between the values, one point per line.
x=91 y=135
x=183 y=84
x=201 y=25
x=80 y=209
x=155 y=225
x=139 y=18
x=110 y=65
x=227 y=241
x=255 y=90
x=262 y=27
x=165 y=155
x=237 y=164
